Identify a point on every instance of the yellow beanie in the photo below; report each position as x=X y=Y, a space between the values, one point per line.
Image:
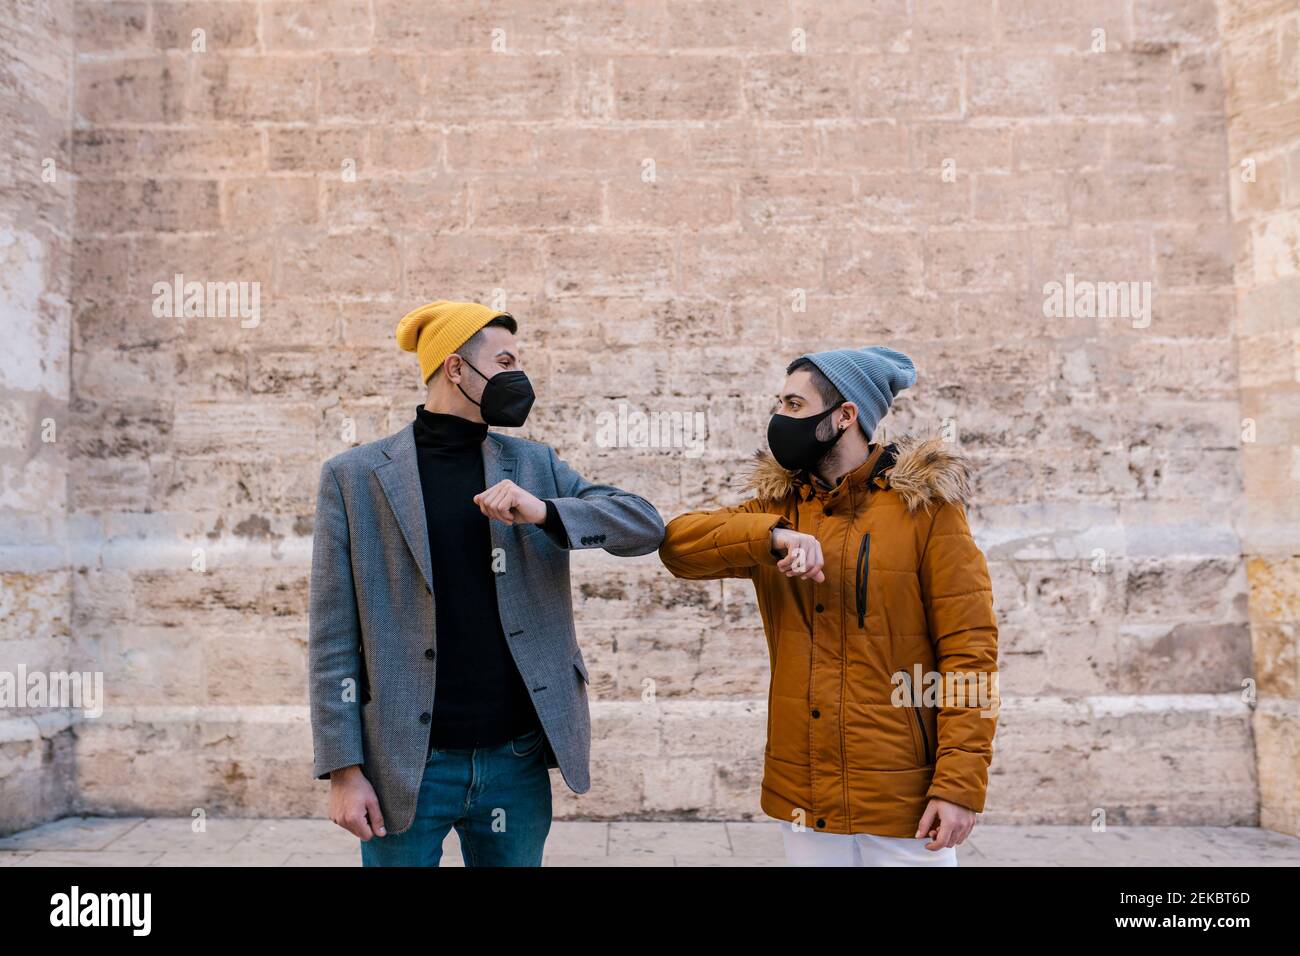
x=436 y=330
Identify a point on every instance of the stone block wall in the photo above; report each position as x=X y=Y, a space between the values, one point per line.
x=677 y=197
x=1261 y=62
x=36 y=255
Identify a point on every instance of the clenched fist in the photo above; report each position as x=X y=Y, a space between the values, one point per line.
x=508 y=503
x=803 y=554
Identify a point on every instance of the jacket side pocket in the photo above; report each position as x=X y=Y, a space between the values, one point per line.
x=924 y=737
x=363 y=679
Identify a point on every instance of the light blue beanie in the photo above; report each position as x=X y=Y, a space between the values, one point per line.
x=868 y=377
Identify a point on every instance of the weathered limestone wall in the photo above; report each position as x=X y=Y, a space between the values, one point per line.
x=36 y=62
x=1261 y=57
x=675 y=198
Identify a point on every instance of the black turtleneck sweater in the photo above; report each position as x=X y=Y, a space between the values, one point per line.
x=480 y=700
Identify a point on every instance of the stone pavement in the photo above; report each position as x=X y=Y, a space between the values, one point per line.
x=169 y=841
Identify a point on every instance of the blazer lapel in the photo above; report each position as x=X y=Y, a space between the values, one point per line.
x=400 y=478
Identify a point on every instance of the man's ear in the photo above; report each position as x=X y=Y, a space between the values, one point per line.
x=453 y=368
x=848 y=415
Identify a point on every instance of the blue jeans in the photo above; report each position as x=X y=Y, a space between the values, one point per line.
x=497 y=798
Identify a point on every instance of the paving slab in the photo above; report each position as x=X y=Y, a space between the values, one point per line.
x=669 y=839
x=66 y=858
x=72 y=833
x=215 y=835
x=756 y=839
x=171 y=841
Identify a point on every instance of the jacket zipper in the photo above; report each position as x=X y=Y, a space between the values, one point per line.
x=916 y=711
x=860 y=595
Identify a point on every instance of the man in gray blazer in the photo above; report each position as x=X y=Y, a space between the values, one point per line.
x=445 y=674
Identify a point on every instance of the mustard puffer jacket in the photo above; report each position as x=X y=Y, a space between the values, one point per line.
x=883 y=688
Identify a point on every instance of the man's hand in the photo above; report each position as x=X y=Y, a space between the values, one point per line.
x=509 y=503
x=353 y=804
x=946 y=823
x=803 y=554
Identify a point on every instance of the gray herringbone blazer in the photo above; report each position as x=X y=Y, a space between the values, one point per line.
x=372 y=616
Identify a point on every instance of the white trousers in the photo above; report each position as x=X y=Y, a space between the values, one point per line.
x=807 y=847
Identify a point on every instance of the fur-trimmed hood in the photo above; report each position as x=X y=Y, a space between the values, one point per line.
x=923 y=471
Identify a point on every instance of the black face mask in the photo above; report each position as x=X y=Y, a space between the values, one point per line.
x=506 y=398
x=794 y=441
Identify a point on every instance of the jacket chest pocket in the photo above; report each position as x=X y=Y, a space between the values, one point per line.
x=862 y=570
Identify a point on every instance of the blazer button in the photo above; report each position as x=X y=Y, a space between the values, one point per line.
x=429 y=653
x=426 y=717
x=828 y=511
x=816 y=714
x=821 y=824
x=820 y=608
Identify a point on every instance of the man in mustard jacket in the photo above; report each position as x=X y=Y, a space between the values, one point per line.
x=878 y=611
